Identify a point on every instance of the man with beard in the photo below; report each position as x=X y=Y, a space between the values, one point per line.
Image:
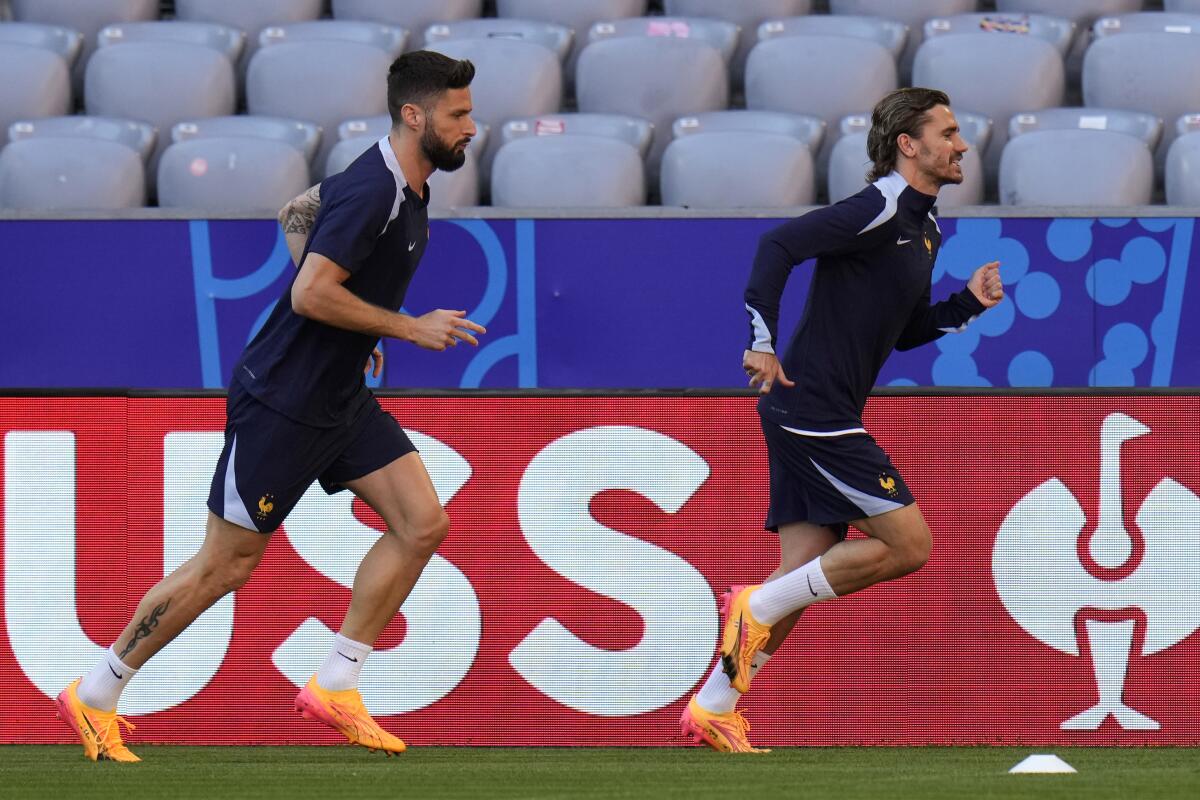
x=299 y=410
x=869 y=294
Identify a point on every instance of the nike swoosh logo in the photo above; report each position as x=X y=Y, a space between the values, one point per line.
x=412 y=246
x=810 y=588
x=898 y=241
x=114 y=672
x=348 y=658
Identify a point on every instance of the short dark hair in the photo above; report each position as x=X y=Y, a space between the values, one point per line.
x=901 y=111
x=421 y=76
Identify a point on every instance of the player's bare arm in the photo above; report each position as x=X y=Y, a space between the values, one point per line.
x=318 y=294
x=764 y=370
x=297 y=219
x=986 y=285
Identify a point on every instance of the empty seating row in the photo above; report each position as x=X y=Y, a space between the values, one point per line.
x=724 y=159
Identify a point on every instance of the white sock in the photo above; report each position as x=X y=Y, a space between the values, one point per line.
x=797 y=589
x=343 y=664
x=717 y=696
x=102 y=687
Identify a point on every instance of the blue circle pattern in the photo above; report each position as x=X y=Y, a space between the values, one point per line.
x=1069 y=239
x=1125 y=348
x=1038 y=295
x=1030 y=368
x=1110 y=281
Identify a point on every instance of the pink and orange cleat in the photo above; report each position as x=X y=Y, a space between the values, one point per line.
x=344 y=711
x=98 y=730
x=725 y=733
x=742 y=638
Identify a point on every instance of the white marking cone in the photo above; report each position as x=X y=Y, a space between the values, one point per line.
x=1042 y=763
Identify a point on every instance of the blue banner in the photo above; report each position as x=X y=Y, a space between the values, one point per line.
x=601 y=303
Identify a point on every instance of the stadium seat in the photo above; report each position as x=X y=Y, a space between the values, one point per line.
x=226 y=40
x=457 y=189
x=1082 y=12
x=912 y=13
x=720 y=34
x=746 y=14
x=631 y=130
x=1146 y=127
x=85 y=17
x=304 y=136
x=249 y=17
x=136 y=135
x=547 y=34
x=160 y=83
x=1183 y=171
x=37 y=83
x=1188 y=123
x=808 y=129
x=54 y=174
x=888 y=32
x=413 y=15
x=231 y=173
x=1150 y=72
x=579 y=16
x=1058 y=31
x=1186 y=6
x=65 y=42
x=340 y=80
x=855 y=75
x=994 y=75
x=568 y=172
x=656 y=79
x=849 y=162
x=387 y=38
x=738 y=169
x=1076 y=168
x=1147 y=22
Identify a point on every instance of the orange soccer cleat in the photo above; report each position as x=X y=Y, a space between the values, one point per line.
x=725 y=733
x=345 y=712
x=743 y=637
x=98 y=730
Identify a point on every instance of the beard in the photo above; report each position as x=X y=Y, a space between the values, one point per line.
x=445 y=157
x=942 y=175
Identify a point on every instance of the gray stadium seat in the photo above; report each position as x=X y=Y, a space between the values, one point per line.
x=888 y=32
x=87 y=18
x=1187 y=6
x=304 y=136
x=808 y=129
x=547 y=34
x=656 y=79
x=1150 y=72
x=1147 y=22
x=159 y=83
x=136 y=135
x=37 y=83
x=250 y=16
x=1146 y=127
x=912 y=13
x=226 y=40
x=738 y=169
x=719 y=33
x=413 y=15
x=233 y=173
x=1082 y=12
x=65 y=42
x=340 y=80
x=1076 y=168
x=994 y=75
x=631 y=130
x=388 y=38
x=1188 y=123
x=849 y=162
x=1183 y=171
x=855 y=74
x=576 y=15
x=746 y=14
x=52 y=173
x=458 y=189
x=1058 y=31
x=568 y=172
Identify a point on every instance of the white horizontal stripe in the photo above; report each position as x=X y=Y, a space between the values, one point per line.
x=823 y=433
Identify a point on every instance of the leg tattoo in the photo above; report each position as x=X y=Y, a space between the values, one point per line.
x=145 y=627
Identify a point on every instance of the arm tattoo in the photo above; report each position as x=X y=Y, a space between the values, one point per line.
x=145 y=627
x=300 y=214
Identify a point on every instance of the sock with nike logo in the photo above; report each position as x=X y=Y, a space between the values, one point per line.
x=101 y=688
x=718 y=695
x=798 y=589
x=343 y=665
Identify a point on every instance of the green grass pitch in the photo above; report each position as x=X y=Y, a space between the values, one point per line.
x=859 y=773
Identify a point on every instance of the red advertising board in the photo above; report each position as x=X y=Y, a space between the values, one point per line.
x=574 y=601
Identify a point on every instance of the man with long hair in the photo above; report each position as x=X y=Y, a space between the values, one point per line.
x=870 y=294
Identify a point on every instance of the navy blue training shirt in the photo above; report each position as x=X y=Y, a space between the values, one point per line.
x=869 y=295
x=374 y=226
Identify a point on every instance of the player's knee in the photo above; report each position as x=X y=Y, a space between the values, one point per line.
x=428 y=532
x=914 y=552
x=219 y=578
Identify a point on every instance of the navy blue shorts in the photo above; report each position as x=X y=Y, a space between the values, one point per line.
x=829 y=480
x=269 y=460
